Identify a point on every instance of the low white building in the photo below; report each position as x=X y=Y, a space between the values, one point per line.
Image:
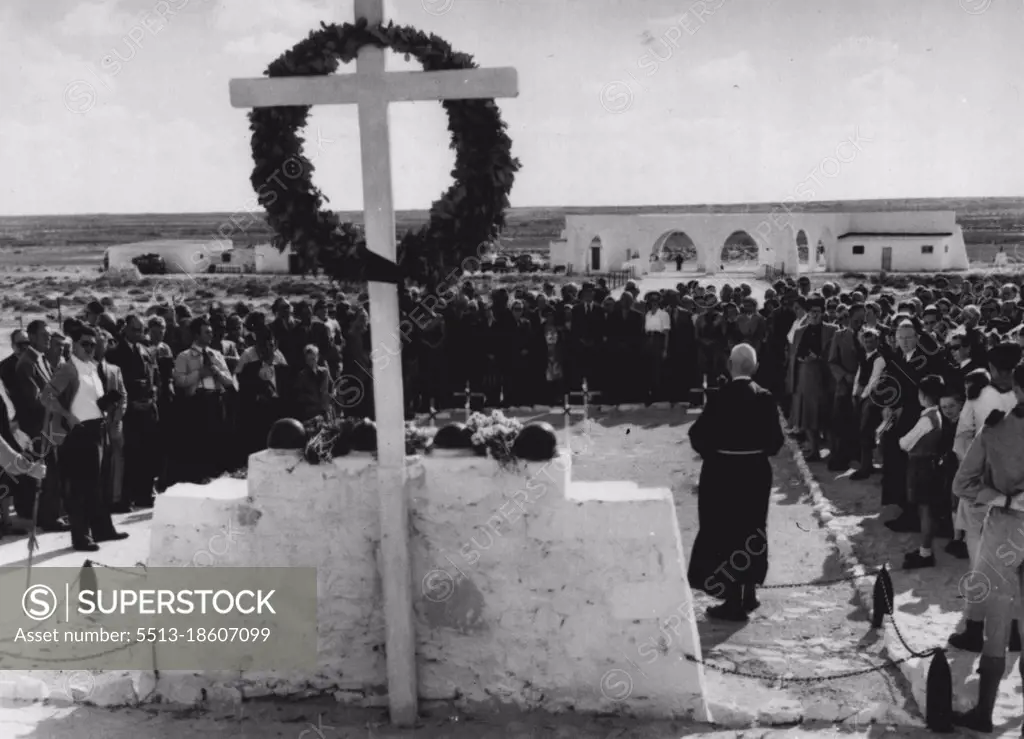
x=180 y=255
x=269 y=259
x=898 y=241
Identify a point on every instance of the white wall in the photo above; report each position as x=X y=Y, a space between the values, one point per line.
x=775 y=234
x=270 y=259
x=906 y=254
x=529 y=590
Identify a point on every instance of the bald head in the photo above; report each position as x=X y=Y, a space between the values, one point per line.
x=743 y=361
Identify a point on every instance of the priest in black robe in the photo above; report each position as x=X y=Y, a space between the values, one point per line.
x=737 y=432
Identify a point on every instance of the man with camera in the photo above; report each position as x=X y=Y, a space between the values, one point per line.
x=81 y=410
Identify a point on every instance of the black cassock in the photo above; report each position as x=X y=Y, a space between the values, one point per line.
x=734 y=489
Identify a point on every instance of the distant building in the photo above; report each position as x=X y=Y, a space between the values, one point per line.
x=269 y=259
x=898 y=241
x=180 y=255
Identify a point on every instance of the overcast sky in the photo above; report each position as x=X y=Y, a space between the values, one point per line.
x=109 y=107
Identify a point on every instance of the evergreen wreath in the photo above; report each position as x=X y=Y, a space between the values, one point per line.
x=469 y=213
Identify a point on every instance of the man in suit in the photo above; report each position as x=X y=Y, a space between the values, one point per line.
x=9 y=366
x=81 y=408
x=17 y=473
x=682 y=348
x=844 y=361
x=31 y=376
x=897 y=394
x=734 y=489
x=588 y=324
x=114 y=446
x=141 y=441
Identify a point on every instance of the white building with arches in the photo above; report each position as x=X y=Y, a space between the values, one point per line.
x=893 y=241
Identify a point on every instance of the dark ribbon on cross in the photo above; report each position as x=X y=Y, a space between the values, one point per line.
x=379 y=269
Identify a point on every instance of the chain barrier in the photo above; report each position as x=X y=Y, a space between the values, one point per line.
x=121 y=570
x=795 y=679
x=77 y=581
x=811 y=583
x=782 y=679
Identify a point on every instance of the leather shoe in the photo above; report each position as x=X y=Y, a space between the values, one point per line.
x=12 y=531
x=122 y=507
x=728 y=612
x=115 y=536
x=53 y=527
x=89 y=547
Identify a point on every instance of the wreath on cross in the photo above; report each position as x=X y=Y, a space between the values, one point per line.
x=471 y=212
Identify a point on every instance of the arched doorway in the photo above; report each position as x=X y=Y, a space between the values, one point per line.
x=803 y=252
x=594 y=255
x=824 y=247
x=739 y=253
x=672 y=245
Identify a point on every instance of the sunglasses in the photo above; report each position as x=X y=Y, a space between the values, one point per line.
x=87 y=344
x=23 y=344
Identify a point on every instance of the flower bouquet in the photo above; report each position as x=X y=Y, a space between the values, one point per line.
x=494 y=435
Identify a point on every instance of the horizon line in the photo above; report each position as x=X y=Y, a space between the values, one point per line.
x=794 y=205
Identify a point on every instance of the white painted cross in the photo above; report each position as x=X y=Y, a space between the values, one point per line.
x=372 y=88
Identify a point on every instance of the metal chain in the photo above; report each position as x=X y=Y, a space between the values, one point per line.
x=848 y=578
x=780 y=678
x=891 y=612
x=56 y=660
x=118 y=569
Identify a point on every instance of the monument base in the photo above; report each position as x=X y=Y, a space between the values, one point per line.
x=530 y=590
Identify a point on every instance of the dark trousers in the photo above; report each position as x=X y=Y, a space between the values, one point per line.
x=894 y=468
x=845 y=423
x=81 y=458
x=141 y=445
x=870 y=418
x=654 y=356
x=202 y=437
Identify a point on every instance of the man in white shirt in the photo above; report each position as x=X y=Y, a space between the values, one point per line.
x=79 y=403
x=657 y=326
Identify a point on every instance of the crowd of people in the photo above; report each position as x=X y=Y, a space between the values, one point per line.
x=183 y=398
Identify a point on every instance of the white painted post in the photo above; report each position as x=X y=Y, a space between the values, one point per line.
x=379 y=215
x=372 y=88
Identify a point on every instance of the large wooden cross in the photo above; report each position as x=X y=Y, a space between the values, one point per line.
x=372 y=88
